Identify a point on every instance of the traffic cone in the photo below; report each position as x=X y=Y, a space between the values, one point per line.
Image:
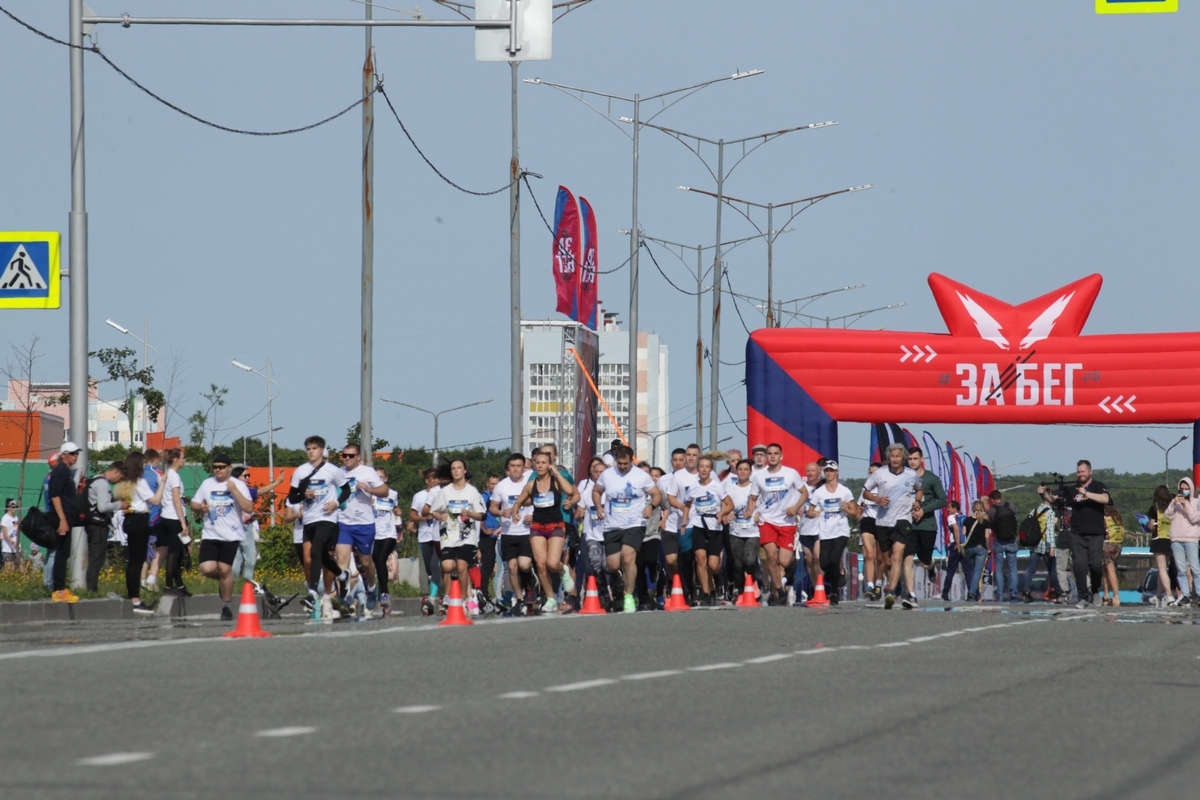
x=746 y=598
x=454 y=608
x=676 y=602
x=247 y=621
x=591 y=599
x=819 y=600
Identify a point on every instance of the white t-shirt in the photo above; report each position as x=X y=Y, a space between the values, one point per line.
x=428 y=530
x=900 y=489
x=322 y=489
x=507 y=491
x=807 y=526
x=360 y=506
x=223 y=522
x=680 y=483
x=832 y=522
x=385 y=515
x=168 y=499
x=458 y=531
x=706 y=503
x=742 y=526
x=593 y=527
x=11 y=529
x=776 y=492
x=625 y=497
x=869 y=510
x=297 y=525
x=141 y=494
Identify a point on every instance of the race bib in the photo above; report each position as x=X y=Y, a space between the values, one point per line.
x=543 y=500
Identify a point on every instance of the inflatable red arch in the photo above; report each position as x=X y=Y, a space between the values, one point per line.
x=999 y=363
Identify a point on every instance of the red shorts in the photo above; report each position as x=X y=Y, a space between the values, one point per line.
x=547 y=530
x=783 y=536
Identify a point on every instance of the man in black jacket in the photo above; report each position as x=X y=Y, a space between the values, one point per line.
x=61 y=492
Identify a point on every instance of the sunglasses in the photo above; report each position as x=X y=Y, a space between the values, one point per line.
x=222 y=466
x=349 y=455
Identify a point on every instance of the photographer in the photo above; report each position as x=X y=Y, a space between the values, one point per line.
x=1087 y=529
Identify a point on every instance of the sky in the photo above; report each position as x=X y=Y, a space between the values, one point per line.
x=1014 y=146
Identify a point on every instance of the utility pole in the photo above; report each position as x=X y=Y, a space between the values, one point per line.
x=516 y=394
x=78 y=249
x=365 y=391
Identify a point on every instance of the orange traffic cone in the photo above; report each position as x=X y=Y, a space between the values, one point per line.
x=454 y=608
x=819 y=600
x=676 y=602
x=247 y=621
x=746 y=598
x=591 y=598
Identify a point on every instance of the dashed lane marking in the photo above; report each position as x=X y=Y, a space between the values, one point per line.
x=711 y=667
x=114 y=759
x=416 y=709
x=575 y=687
x=518 y=695
x=280 y=733
x=645 y=676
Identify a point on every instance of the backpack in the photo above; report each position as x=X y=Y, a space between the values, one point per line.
x=1030 y=533
x=1004 y=524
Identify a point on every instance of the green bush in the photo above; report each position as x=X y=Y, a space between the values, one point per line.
x=276 y=554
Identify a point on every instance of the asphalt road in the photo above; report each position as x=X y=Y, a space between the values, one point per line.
x=852 y=702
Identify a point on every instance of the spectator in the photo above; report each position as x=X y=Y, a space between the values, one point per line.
x=98 y=522
x=61 y=490
x=1160 y=545
x=1185 y=539
x=9 y=535
x=1112 y=551
x=1003 y=516
x=976 y=537
x=1044 y=550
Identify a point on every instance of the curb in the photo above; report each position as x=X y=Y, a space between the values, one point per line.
x=173 y=608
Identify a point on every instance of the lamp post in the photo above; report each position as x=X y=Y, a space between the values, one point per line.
x=805 y=203
x=245 y=460
x=270 y=419
x=749 y=145
x=1166 y=456
x=846 y=319
x=654 y=437
x=634 y=239
x=436 y=415
x=146 y=348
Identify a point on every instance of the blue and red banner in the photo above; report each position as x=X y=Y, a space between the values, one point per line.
x=589 y=288
x=566 y=253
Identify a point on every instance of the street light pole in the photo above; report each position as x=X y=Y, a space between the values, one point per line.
x=77 y=246
x=635 y=234
x=436 y=415
x=654 y=437
x=366 y=379
x=270 y=419
x=1166 y=456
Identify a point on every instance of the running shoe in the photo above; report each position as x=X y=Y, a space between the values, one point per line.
x=568 y=583
x=385 y=604
x=909 y=602
x=226 y=614
x=64 y=596
x=340 y=607
x=307 y=603
x=630 y=605
x=889 y=600
x=371 y=601
x=143 y=609
x=1083 y=603
x=713 y=602
x=325 y=610
x=550 y=606
x=931 y=573
x=472 y=608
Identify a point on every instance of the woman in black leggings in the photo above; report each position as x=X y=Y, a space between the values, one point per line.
x=387 y=517
x=173 y=517
x=137 y=492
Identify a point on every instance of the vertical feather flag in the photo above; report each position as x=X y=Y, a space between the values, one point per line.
x=884 y=434
x=589 y=287
x=566 y=253
x=935 y=464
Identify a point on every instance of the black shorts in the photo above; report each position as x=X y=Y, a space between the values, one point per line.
x=217 y=550
x=809 y=542
x=890 y=535
x=327 y=531
x=670 y=543
x=867 y=525
x=1160 y=547
x=464 y=552
x=627 y=537
x=515 y=547
x=922 y=547
x=711 y=542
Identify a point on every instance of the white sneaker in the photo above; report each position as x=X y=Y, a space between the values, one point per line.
x=568 y=584
x=1170 y=601
x=472 y=608
x=327 y=611
x=550 y=606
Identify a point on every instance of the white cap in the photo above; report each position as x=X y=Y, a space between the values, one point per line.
x=68 y=447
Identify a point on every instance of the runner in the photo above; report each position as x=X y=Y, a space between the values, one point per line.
x=649 y=571
x=925 y=526
x=356 y=518
x=459 y=507
x=780 y=493
x=831 y=505
x=489 y=543
x=759 y=455
x=895 y=489
x=314 y=485
x=709 y=504
x=743 y=534
x=592 y=549
x=428 y=535
x=620 y=496
x=222 y=500
x=571 y=546
x=673 y=521
x=549 y=493
x=515 y=548
x=872 y=556
x=387 y=531
x=682 y=480
x=808 y=529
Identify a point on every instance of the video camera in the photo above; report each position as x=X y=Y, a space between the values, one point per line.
x=1061 y=487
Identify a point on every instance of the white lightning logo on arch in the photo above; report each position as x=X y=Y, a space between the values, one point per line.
x=985 y=323
x=1040 y=328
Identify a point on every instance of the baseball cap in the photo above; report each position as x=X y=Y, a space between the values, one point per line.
x=68 y=447
x=830 y=465
x=758 y=447
x=11 y=504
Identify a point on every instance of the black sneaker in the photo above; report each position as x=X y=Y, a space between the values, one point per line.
x=909 y=602
x=307 y=603
x=143 y=609
x=226 y=614
x=1026 y=597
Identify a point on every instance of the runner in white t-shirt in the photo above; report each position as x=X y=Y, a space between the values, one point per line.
x=591 y=529
x=708 y=504
x=743 y=533
x=315 y=485
x=620 y=495
x=873 y=557
x=356 y=518
x=388 y=517
x=516 y=551
x=895 y=488
x=831 y=506
x=673 y=523
x=807 y=528
x=429 y=533
x=780 y=493
x=459 y=507
x=222 y=500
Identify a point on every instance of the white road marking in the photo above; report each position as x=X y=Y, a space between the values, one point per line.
x=923 y=639
x=114 y=759
x=416 y=709
x=894 y=644
x=814 y=651
x=768 y=659
x=711 y=667
x=279 y=733
x=575 y=687
x=643 y=676
x=518 y=695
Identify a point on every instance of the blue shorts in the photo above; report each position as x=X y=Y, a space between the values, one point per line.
x=361 y=536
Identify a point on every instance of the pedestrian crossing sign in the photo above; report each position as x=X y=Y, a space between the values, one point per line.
x=1136 y=6
x=29 y=269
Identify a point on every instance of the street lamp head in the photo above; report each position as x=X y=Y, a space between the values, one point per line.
x=533 y=80
x=1151 y=440
x=684 y=188
x=240 y=365
x=737 y=76
x=624 y=119
x=112 y=324
x=861 y=188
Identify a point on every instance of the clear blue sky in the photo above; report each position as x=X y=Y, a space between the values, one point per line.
x=1016 y=146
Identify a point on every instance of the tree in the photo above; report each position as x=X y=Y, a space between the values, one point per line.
x=174 y=384
x=121 y=365
x=206 y=421
x=354 y=437
x=19 y=370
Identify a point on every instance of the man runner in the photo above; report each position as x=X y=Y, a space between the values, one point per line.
x=925 y=527
x=516 y=550
x=895 y=489
x=780 y=493
x=315 y=486
x=620 y=496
